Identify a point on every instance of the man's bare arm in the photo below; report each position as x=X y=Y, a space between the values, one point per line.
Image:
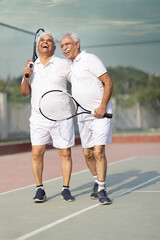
x=25 y=87
x=108 y=86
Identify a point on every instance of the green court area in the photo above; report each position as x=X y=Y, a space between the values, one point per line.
x=133 y=185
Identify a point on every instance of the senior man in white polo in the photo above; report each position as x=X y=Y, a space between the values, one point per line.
x=92 y=88
x=49 y=72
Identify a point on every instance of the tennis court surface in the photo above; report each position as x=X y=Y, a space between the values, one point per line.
x=133 y=183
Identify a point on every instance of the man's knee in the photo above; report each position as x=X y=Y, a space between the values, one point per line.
x=99 y=152
x=38 y=152
x=88 y=153
x=65 y=153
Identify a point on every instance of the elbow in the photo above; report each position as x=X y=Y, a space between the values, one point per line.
x=24 y=92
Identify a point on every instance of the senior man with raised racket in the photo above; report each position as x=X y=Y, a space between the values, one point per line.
x=49 y=72
x=92 y=88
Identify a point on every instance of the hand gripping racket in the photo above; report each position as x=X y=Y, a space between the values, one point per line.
x=57 y=105
x=34 y=50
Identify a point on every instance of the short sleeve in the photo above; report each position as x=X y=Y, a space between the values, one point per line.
x=95 y=65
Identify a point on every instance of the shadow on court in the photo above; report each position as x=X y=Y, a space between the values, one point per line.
x=133 y=178
x=126 y=180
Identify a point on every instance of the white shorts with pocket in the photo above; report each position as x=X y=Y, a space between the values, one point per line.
x=95 y=132
x=59 y=134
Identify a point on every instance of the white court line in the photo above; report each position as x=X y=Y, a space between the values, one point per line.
x=147 y=191
x=136 y=187
x=33 y=185
x=53 y=224
x=58 y=178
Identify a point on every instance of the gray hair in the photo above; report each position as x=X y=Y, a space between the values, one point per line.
x=74 y=36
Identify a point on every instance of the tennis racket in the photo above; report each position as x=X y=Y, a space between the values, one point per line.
x=57 y=105
x=35 y=56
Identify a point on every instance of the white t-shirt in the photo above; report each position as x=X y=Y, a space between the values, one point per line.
x=87 y=89
x=45 y=78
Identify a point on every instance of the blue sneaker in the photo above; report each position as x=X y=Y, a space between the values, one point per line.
x=40 y=196
x=94 y=194
x=66 y=196
x=103 y=198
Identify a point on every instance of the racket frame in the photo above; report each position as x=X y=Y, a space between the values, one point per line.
x=34 y=57
x=107 y=115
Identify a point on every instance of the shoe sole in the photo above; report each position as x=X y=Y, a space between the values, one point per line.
x=94 y=198
x=105 y=203
x=70 y=200
x=38 y=200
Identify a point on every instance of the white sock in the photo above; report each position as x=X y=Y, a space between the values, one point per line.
x=40 y=187
x=65 y=187
x=95 y=178
x=101 y=185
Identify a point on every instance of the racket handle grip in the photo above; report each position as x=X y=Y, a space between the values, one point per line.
x=30 y=66
x=108 y=115
x=27 y=75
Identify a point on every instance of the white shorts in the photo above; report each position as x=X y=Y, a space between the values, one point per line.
x=95 y=132
x=59 y=134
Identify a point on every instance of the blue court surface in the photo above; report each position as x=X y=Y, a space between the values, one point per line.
x=133 y=185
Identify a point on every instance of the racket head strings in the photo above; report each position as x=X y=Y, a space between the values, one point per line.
x=35 y=52
x=38 y=33
x=57 y=105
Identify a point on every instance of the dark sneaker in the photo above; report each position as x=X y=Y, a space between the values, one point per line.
x=103 y=197
x=40 y=196
x=66 y=196
x=94 y=194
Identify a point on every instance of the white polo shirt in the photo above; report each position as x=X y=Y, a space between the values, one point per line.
x=54 y=75
x=87 y=89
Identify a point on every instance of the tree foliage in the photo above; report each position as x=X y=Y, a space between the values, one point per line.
x=12 y=89
x=132 y=85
